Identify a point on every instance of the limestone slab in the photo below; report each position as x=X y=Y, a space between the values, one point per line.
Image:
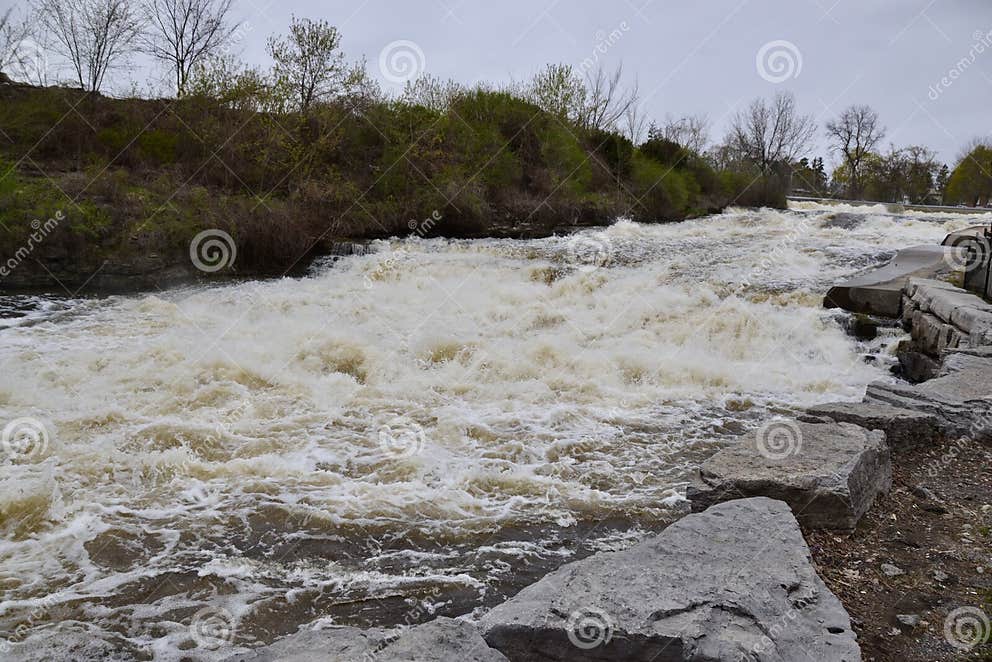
x=732 y=583
x=829 y=473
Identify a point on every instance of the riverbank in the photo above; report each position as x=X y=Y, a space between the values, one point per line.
x=934 y=526
x=133 y=183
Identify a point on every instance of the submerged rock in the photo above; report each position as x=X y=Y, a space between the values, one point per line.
x=844 y=221
x=442 y=640
x=829 y=473
x=732 y=583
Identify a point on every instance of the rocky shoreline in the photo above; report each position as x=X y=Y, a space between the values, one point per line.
x=735 y=579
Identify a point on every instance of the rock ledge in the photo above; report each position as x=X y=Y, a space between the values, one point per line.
x=732 y=583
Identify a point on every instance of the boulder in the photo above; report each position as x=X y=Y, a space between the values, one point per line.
x=879 y=291
x=440 y=640
x=829 y=473
x=903 y=428
x=733 y=583
x=943 y=316
x=960 y=396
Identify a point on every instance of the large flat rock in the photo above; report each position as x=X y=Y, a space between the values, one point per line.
x=442 y=640
x=960 y=397
x=879 y=292
x=965 y=236
x=733 y=583
x=903 y=428
x=829 y=473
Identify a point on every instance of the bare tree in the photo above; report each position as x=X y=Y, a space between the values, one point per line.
x=309 y=62
x=770 y=133
x=184 y=32
x=635 y=124
x=558 y=90
x=607 y=100
x=432 y=92
x=92 y=34
x=13 y=33
x=690 y=132
x=855 y=135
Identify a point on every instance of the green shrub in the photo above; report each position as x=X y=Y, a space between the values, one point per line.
x=158 y=145
x=661 y=190
x=666 y=152
x=616 y=151
x=114 y=138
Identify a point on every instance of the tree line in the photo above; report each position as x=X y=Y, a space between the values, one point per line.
x=773 y=136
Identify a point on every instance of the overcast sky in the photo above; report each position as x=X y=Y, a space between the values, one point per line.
x=694 y=57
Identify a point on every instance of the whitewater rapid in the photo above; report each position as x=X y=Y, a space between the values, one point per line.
x=414 y=431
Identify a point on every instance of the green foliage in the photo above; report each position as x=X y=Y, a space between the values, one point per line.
x=114 y=138
x=616 y=151
x=158 y=146
x=661 y=190
x=560 y=91
x=565 y=159
x=309 y=63
x=8 y=180
x=236 y=155
x=811 y=177
x=971 y=181
x=665 y=152
x=754 y=189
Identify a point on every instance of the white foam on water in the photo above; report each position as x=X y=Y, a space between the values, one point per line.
x=449 y=390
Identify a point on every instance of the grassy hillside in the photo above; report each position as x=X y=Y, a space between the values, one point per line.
x=138 y=179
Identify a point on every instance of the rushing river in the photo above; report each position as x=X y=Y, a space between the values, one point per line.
x=412 y=432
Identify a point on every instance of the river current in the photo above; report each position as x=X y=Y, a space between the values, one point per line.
x=414 y=432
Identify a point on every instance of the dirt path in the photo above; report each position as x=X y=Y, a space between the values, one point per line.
x=935 y=526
